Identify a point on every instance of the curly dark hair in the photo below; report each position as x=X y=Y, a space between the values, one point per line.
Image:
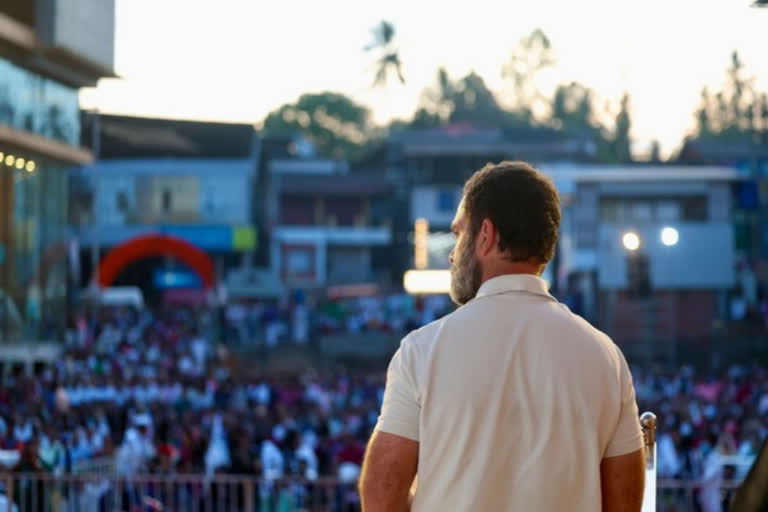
x=523 y=205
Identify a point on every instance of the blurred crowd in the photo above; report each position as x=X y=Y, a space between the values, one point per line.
x=142 y=392
x=711 y=424
x=300 y=319
x=150 y=393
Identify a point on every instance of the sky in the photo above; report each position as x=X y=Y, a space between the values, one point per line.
x=236 y=60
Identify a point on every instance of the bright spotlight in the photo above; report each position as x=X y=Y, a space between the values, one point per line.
x=9 y=160
x=425 y=282
x=670 y=236
x=20 y=163
x=631 y=241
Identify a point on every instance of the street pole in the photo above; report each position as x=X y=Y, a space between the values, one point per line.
x=95 y=253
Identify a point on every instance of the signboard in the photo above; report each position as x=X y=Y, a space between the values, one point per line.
x=166 y=279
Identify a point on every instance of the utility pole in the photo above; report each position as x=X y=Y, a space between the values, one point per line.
x=95 y=245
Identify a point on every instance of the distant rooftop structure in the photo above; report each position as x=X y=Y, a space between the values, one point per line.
x=169 y=167
x=566 y=176
x=722 y=151
x=464 y=139
x=145 y=137
x=313 y=166
x=640 y=172
x=361 y=185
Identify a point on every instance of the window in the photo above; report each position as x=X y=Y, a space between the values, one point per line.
x=642 y=211
x=695 y=209
x=167 y=203
x=299 y=261
x=668 y=211
x=121 y=200
x=647 y=210
x=446 y=201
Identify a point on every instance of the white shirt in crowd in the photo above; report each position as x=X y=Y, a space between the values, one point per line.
x=514 y=402
x=272 y=461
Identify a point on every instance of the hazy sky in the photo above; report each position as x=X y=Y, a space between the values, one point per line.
x=235 y=60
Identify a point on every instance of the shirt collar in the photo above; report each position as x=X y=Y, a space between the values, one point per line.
x=527 y=283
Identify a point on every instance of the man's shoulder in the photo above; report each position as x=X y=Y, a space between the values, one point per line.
x=426 y=334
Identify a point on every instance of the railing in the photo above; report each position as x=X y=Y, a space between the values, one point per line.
x=679 y=495
x=42 y=492
x=224 y=493
x=94 y=466
x=107 y=492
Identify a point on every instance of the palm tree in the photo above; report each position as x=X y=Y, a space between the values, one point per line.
x=389 y=59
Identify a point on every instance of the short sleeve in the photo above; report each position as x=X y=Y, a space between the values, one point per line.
x=400 y=407
x=628 y=436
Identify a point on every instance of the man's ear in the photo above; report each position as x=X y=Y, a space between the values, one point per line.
x=487 y=238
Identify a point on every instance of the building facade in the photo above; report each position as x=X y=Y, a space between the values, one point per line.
x=185 y=179
x=429 y=167
x=692 y=267
x=48 y=50
x=328 y=224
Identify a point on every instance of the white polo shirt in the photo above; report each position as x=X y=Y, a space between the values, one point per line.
x=514 y=401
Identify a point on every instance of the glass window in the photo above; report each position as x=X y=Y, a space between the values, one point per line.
x=668 y=211
x=695 y=209
x=33 y=238
x=299 y=261
x=446 y=201
x=35 y=104
x=167 y=206
x=642 y=211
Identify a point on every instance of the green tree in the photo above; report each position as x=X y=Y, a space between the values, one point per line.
x=734 y=112
x=388 y=60
x=532 y=55
x=621 y=140
x=655 y=155
x=474 y=103
x=338 y=126
x=437 y=100
x=703 y=122
x=424 y=119
x=573 y=110
x=738 y=86
x=467 y=100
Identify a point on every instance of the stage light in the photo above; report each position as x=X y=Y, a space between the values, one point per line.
x=421 y=244
x=670 y=236
x=31 y=166
x=20 y=163
x=9 y=160
x=631 y=241
x=425 y=282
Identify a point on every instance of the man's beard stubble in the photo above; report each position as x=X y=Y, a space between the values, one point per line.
x=466 y=275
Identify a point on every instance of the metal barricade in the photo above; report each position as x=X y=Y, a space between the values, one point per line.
x=232 y=493
x=43 y=492
x=648 y=423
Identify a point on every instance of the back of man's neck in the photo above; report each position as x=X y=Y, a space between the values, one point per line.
x=511 y=268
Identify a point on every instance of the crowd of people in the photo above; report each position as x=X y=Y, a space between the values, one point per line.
x=301 y=318
x=711 y=424
x=150 y=393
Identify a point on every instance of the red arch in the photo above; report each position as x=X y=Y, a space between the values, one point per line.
x=155 y=245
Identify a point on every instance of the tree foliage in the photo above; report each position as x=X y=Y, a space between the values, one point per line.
x=388 y=60
x=532 y=55
x=736 y=112
x=467 y=100
x=338 y=126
